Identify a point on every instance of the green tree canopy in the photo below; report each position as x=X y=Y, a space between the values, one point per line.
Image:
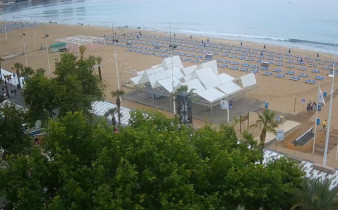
x=13 y=138
x=155 y=163
x=73 y=89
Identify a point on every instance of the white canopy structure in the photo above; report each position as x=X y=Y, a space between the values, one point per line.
x=195 y=85
x=225 y=78
x=248 y=80
x=211 y=95
x=229 y=88
x=189 y=70
x=203 y=79
x=207 y=77
x=211 y=64
x=170 y=62
x=176 y=72
x=169 y=84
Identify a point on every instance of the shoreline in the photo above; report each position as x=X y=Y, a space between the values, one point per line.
x=287 y=43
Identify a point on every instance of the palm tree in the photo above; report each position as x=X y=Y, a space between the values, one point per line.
x=112 y=113
x=82 y=50
x=118 y=93
x=27 y=72
x=269 y=123
x=6 y=78
x=316 y=194
x=18 y=67
x=99 y=60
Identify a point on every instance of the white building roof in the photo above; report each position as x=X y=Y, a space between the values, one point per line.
x=248 y=80
x=212 y=64
x=174 y=61
x=189 y=70
x=207 y=77
x=168 y=84
x=195 y=85
x=211 y=95
x=176 y=72
x=225 y=78
x=229 y=88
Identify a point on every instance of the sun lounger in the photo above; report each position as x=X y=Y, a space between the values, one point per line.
x=290 y=73
x=268 y=73
x=280 y=75
x=319 y=78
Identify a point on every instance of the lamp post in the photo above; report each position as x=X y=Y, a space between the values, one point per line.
x=6 y=28
x=330 y=113
x=172 y=47
x=46 y=37
x=24 y=47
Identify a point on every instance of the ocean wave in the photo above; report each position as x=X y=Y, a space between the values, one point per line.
x=311 y=42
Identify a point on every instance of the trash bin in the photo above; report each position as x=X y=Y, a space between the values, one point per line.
x=266 y=105
x=319 y=107
x=318 y=121
x=324 y=94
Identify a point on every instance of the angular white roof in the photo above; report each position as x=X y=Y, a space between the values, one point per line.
x=174 y=61
x=207 y=77
x=195 y=85
x=225 y=78
x=229 y=88
x=212 y=64
x=211 y=95
x=176 y=72
x=168 y=84
x=189 y=70
x=155 y=75
x=248 y=80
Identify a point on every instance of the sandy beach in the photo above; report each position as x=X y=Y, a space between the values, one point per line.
x=283 y=95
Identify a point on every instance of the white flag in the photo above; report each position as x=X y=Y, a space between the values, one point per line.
x=320 y=97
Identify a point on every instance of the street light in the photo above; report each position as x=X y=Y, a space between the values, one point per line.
x=46 y=37
x=24 y=47
x=330 y=113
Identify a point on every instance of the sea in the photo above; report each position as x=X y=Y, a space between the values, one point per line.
x=306 y=24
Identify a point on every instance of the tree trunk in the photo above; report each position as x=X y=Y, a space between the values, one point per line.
x=7 y=93
x=100 y=76
x=18 y=76
x=119 y=115
x=262 y=142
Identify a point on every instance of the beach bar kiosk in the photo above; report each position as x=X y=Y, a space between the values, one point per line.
x=58 y=47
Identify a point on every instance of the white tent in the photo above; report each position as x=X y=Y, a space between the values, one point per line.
x=248 y=80
x=155 y=75
x=229 y=88
x=195 y=85
x=211 y=64
x=189 y=70
x=211 y=95
x=170 y=62
x=176 y=72
x=207 y=77
x=169 y=84
x=225 y=78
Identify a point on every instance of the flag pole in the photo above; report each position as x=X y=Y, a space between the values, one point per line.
x=315 y=134
x=330 y=113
